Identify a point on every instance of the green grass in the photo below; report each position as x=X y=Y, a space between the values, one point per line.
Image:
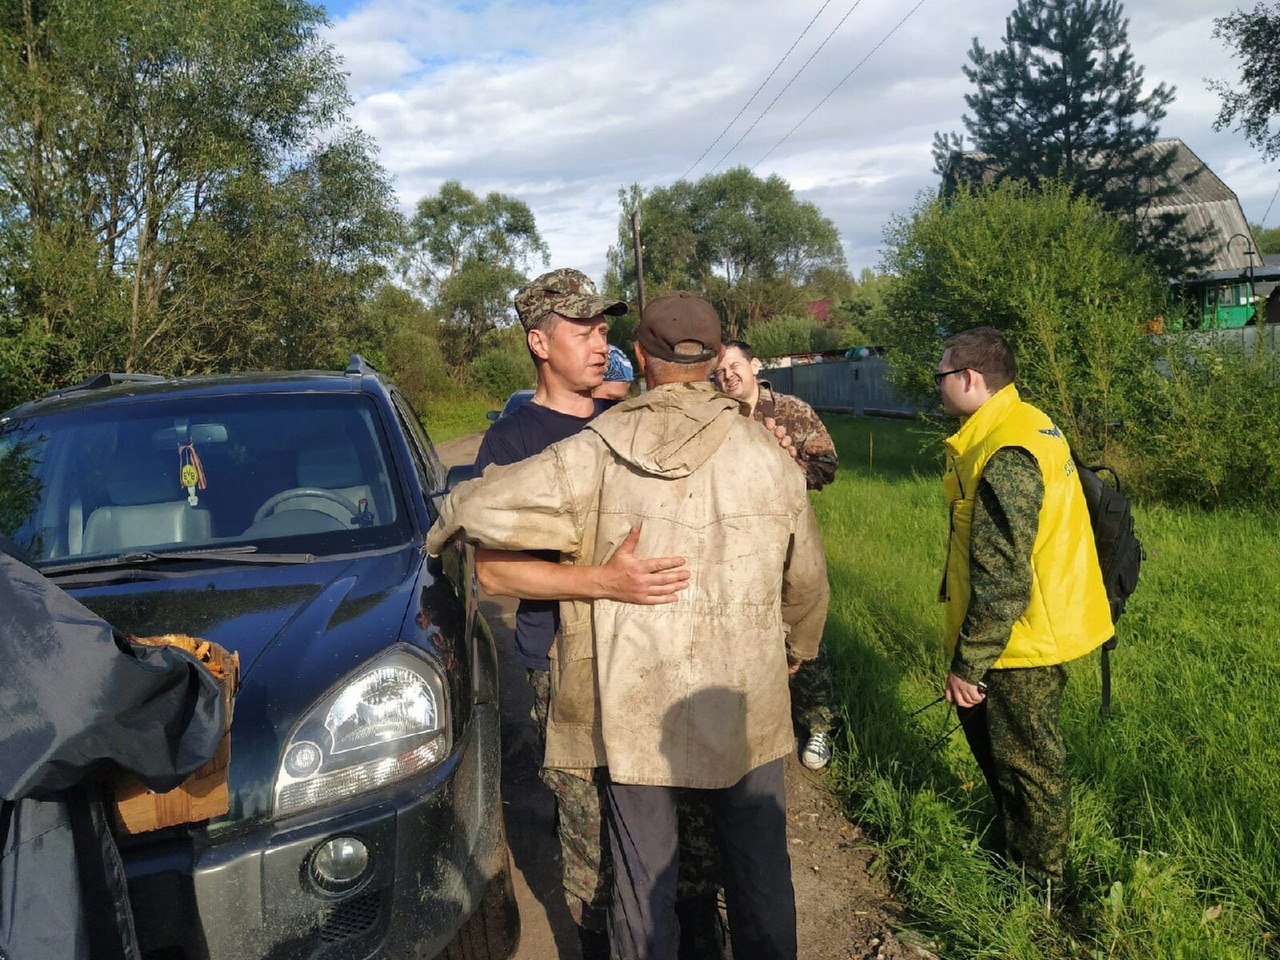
x=1176 y=829
x=456 y=416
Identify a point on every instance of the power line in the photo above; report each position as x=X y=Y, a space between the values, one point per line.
x=883 y=41
x=794 y=76
x=1269 y=205
x=753 y=96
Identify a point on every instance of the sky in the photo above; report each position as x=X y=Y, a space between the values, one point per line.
x=561 y=102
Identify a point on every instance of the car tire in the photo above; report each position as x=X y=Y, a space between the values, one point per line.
x=492 y=932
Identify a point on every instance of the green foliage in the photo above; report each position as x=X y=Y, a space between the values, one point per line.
x=502 y=370
x=743 y=242
x=1175 y=848
x=467 y=255
x=1205 y=428
x=1047 y=268
x=860 y=308
x=1252 y=36
x=1063 y=99
x=180 y=190
x=1266 y=241
x=449 y=403
x=789 y=333
x=414 y=358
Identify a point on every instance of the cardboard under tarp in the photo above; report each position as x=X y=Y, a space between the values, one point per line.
x=204 y=794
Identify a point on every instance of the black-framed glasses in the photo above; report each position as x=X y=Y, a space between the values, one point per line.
x=938 y=377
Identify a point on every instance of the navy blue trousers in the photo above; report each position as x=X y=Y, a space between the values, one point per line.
x=750 y=823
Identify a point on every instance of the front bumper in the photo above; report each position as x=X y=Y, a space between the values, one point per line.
x=436 y=841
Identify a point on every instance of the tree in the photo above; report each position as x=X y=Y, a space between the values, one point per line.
x=1254 y=37
x=1267 y=241
x=787 y=334
x=179 y=187
x=467 y=255
x=860 y=308
x=1063 y=99
x=1049 y=269
x=743 y=242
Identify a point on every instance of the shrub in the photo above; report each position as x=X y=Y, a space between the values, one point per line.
x=499 y=371
x=1205 y=426
x=413 y=355
x=1053 y=272
x=786 y=334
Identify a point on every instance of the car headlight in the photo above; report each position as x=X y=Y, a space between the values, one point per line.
x=388 y=721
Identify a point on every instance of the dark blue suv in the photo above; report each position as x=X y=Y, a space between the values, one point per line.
x=283 y=516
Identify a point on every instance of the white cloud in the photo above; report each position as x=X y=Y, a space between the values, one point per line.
x=563 y=103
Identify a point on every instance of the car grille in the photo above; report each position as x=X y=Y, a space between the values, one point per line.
x=353 y=918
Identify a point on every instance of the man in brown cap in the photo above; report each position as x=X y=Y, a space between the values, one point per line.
x=691 y=694
x=565 y=324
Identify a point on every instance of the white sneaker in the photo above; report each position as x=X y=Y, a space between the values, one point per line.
x=817 y=751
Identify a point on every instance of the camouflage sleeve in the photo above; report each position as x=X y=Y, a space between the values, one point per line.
x=806 y=591
x=1006 y=519
x=815 y=451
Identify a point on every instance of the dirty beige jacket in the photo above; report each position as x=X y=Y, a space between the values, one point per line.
x=692 y=693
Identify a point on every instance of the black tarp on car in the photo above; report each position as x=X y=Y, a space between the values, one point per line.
x=78 y=703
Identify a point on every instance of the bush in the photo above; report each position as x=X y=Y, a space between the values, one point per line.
x=787 y=334
x=1053 y=272
x=413 y=355
x=499 y=372
x=1205 y=427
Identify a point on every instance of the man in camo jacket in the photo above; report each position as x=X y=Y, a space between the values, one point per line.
x=738 y=376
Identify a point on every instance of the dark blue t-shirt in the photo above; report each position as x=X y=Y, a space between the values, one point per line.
x=525 y=433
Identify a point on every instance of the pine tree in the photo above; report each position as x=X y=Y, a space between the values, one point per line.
x=1063 y=99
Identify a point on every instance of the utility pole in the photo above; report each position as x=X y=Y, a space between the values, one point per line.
x=635 y=243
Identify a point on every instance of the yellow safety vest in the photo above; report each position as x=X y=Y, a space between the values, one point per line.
x=1068 y=614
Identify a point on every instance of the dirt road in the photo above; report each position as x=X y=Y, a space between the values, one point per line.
x=844 y=912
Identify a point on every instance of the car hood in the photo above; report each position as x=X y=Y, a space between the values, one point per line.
x=299 y=629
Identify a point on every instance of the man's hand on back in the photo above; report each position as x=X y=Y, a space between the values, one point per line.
x=783 y=438
x=628 y=579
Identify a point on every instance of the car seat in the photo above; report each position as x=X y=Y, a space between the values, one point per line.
x=146 y=508
x=334 y=467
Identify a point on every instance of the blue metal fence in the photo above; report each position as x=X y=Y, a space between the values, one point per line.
x=860 y=387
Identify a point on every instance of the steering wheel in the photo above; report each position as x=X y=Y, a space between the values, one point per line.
x=299 y=493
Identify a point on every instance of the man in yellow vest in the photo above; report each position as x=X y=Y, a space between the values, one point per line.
x=1023 y=593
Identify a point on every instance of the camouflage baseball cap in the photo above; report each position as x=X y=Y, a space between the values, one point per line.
x=570 y=293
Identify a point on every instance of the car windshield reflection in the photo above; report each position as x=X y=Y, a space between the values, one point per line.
x=287 y=473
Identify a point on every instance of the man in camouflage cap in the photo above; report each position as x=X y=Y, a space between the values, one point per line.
x=566 y=326
x=565 y=293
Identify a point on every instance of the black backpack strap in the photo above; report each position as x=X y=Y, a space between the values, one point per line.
x=7 y=808
x=1106 y=676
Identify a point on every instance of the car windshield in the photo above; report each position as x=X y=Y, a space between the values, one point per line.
x=280 y=472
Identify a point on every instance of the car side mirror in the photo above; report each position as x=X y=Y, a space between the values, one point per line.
x=492 y=416
x=459 y=473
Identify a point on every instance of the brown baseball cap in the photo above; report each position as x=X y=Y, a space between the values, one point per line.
x=569 y=293
x=676 y=318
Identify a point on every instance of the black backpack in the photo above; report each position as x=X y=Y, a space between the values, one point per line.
x=1120 y=553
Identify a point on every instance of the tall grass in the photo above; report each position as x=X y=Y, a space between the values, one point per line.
x=1176 y=827
x=456 y=416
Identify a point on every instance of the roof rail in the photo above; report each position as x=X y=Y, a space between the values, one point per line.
x=358 y=366
x=102 y=380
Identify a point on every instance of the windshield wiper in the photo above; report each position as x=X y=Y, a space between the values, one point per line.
x=144 y=558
